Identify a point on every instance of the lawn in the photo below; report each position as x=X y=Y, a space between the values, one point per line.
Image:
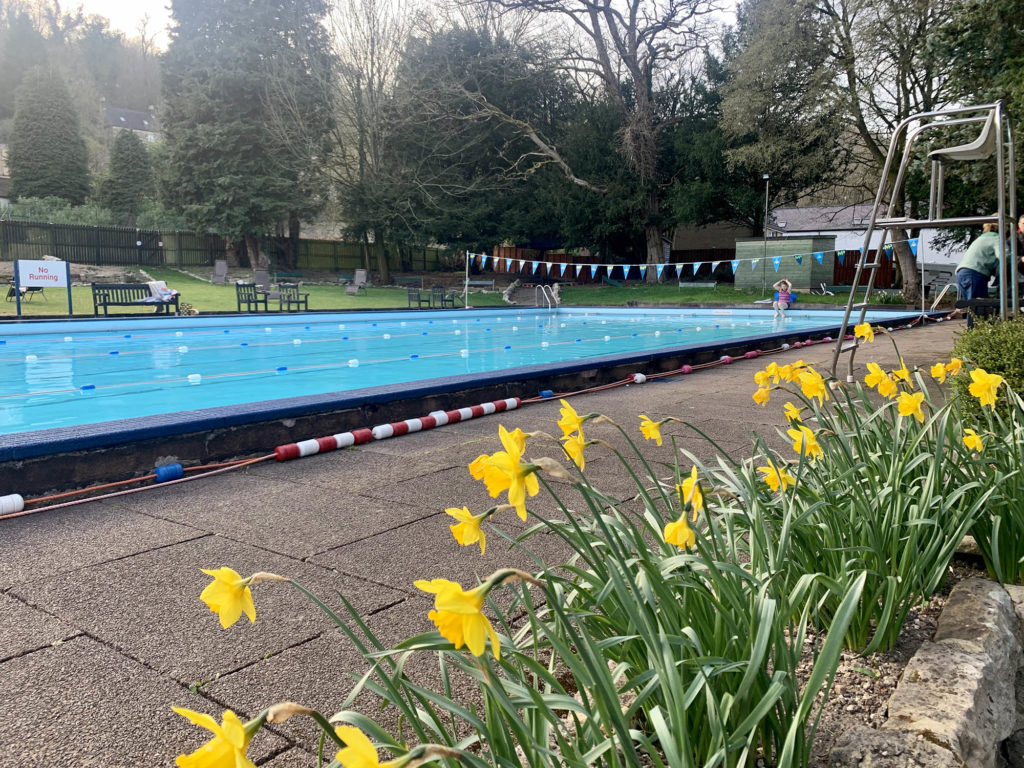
x=208 y=298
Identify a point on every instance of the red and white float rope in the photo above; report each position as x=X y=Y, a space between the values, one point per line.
x=384 y=431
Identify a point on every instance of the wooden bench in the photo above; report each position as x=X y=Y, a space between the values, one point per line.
x=279 y=275
x=480 y=283
x=129 y=295
x=409 y=281
x=713 y=285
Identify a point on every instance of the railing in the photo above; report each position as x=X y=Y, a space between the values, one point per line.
x=545 y=292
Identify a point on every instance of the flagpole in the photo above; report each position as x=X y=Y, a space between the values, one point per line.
x=465 y=285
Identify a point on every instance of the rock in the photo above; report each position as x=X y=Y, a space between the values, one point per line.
x=863 y=747
x=958 y=691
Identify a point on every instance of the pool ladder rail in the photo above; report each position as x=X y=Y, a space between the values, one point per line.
x=544 y=292
x=994 y=139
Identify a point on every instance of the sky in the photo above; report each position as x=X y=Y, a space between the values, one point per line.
x=125 y=15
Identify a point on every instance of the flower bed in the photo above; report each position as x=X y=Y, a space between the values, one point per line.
x=678 y=633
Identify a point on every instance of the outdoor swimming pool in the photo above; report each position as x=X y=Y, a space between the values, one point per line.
x=57 y=375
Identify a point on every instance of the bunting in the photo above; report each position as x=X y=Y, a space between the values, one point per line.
x=799 y=258
x=776 y=261
x=887 y=250
x=697 y=265
x=484 y=265
x=913 y=245
x=735 y=265
x=535 y=265
x=754 y=263
x=659 y=268
x=841 y=255
x=508 y=265
x=593 y=271
x=818 y=256
x=714 y=265
x=643 y=271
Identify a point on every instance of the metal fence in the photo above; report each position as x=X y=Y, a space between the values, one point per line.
x=98 y=246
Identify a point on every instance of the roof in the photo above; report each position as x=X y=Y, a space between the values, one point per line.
x=818 y=218
x=132 y=119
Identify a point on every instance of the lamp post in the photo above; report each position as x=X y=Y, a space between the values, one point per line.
x=764 y=260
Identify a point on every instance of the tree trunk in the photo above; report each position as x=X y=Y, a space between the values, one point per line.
x=292 y=251
x=909 y=268
x=652 y=235
x=231 y=255
x=382 y=261
x=257 y=258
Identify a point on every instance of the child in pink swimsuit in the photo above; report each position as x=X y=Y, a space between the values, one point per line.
x=781 y=304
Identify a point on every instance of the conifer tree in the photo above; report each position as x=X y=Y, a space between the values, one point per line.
x=47 y=155
x=129 y=181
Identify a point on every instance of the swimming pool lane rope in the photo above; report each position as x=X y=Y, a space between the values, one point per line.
x=13 y=505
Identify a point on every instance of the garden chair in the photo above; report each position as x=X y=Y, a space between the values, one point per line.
x=291 y=298
x=261 y=278
x=250 y=295
x=416 y=297
x=220 y=272
x=439 y=298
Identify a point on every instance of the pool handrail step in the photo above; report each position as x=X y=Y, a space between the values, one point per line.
x=995 y=138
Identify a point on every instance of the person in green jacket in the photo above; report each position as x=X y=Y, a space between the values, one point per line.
x=979 y=264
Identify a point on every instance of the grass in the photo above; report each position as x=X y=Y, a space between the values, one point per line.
x=208 y=298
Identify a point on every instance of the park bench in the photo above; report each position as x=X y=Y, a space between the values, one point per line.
x=408 y=281
x=278 y=276
x=712 y=284
x=480 y=284
x=129 y=295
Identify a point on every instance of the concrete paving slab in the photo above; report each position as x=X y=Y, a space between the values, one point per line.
x=149 y=607
x=426 y=550
x=321 y=673
x=24 y=629
x=290 y=518
x=37 y=546
x=352 y=470
x=84 y=704
x=293 y=758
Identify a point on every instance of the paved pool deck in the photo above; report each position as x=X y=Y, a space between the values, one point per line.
x=101 y=626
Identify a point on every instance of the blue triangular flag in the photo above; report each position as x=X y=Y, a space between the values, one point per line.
x=535 y=265
x=753 y=263
x=486 y=257
x=508 y=265
x=697 y=265
x=841 y=255
x=735 y=265
x=887 y=249
x=913 y=246
x=659 y=268
x=819 y=255
x=776 y=261
x=643 y=270
x=799 y=258
x=593 y=270
x=714 y=265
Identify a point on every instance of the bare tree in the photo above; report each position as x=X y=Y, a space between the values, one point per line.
x=631 y=52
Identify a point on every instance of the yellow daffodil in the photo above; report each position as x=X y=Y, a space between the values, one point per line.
x=954 y=365
x=762 y=396
x=813 y=385
x=792 y=413
x=901 y=373
x=229 y=596
x=574 y=445
x=864 y=331
x=762 y=378
x=358 y=751
x=984 y=385
x=505 y=470
x=689 y=493
x=875 y=375
x=467 y=530
x=888 y=388
x=772 y=369
x=651 y=430
x=938 y=372
x=776 y=478
x=458 y=615
x=973 y=441
x=910 y=405
x=570 y=420
x=679 y=533
x=227 y=747
x=805 y=442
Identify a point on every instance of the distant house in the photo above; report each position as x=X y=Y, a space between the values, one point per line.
x=141 y=123
x=849 y=224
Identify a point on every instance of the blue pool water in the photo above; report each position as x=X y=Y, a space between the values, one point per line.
x=65 y=374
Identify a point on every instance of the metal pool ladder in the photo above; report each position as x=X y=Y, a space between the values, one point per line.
x=544 y=292
x=994 y=139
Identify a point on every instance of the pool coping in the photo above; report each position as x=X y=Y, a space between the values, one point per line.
x=211 y=434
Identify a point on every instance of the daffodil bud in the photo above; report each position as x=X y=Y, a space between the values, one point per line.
x=552 y=467
x=281 y=712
